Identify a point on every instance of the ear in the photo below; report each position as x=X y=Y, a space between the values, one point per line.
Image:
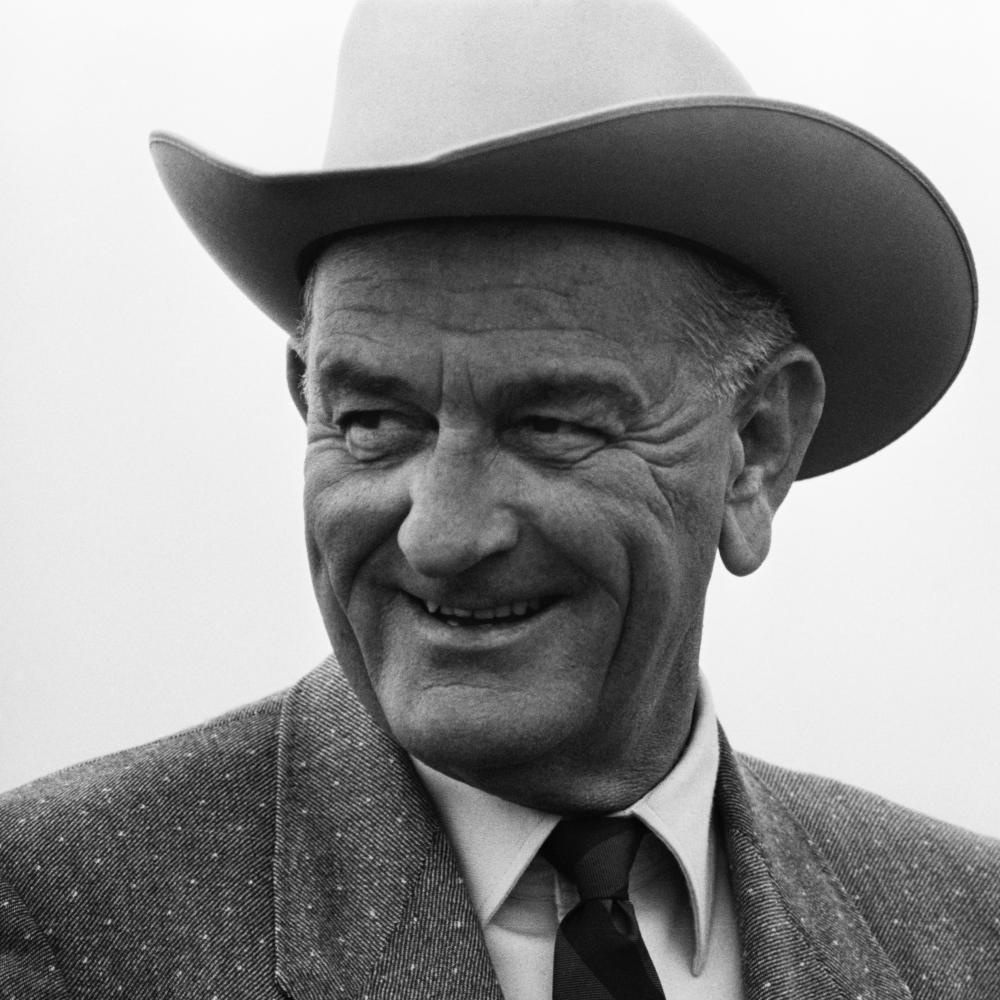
x=295 y=370
x=774 y=425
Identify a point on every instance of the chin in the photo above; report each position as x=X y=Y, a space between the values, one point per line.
x=471 y=735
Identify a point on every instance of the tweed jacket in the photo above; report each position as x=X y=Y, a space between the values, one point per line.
x=287 y=849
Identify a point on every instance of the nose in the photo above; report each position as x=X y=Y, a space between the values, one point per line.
x=458 y=512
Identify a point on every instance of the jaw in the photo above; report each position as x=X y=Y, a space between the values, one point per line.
x=519 y=705
x=469 y=695
x=541 y=738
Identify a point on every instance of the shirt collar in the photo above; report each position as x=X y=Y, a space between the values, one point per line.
x=495 y=840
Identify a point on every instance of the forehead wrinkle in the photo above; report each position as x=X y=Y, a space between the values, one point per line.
x=599 y=372
x=460 y=283
x=489 y=307
x=398 y=317
x=342 y=344
x=378 y=278
x=392 y=315
x=614 y=287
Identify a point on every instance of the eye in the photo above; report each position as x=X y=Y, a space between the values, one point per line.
x=373 y=434
x=554 y=437
x=546 y=425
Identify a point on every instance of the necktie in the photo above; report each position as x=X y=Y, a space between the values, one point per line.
x=599 y=953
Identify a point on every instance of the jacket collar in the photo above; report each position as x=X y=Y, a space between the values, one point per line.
x=369 y=901
x=368 y=897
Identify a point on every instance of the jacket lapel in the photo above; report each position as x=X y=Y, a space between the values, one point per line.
x=802 y=936
x=368 y=897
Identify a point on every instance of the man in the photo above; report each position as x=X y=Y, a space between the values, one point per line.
x=546 y=376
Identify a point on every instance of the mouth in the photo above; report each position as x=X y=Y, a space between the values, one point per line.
x=498 y=616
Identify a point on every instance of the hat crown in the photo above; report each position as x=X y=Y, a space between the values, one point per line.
x=418 y=78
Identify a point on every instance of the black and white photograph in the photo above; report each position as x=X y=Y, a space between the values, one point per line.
x=499 y=500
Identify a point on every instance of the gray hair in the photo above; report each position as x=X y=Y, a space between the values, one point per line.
x=731 y=324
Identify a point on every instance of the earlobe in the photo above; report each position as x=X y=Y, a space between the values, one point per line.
x=746 y=535
x=774 y=429
x=745 y=538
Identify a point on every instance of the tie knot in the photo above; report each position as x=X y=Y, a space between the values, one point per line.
x=595 y=854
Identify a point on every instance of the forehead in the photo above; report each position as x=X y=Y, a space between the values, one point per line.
x=550 y=289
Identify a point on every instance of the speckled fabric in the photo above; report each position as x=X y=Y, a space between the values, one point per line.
x=288 y=850
x=885 y=900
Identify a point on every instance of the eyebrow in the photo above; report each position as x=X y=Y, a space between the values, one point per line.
x=574 y=389
x=567 y=388
x=342 y=375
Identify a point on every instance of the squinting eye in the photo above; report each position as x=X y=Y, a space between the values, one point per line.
x=368 y=420
x=546 y=425
x=374 y=434
x=553 y=438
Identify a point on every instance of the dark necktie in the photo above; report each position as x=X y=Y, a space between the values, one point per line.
x=599 y=953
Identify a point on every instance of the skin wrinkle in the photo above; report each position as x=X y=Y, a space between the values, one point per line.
x=461 y=329
x=729 y=322
x=462 y=285
x=315 y=379
x=612 y=393
x=594 y=395
x=588 y=706
x=473 y=289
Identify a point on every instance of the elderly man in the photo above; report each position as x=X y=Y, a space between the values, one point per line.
x=564 y=305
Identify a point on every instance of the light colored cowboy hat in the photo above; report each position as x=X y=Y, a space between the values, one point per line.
x=617 y=111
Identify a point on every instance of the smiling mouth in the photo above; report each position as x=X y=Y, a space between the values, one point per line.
x=502 y=615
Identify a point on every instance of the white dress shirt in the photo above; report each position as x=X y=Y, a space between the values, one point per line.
x=679 y=885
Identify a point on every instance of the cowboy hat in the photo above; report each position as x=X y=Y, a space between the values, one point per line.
x=616 y=111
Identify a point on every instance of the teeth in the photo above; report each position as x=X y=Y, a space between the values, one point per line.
x=514 y=609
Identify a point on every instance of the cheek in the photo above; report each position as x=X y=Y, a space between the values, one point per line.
x=350 y=526
x=349 y=517
x=346 y=526
x=658 y=529
x=580 y=518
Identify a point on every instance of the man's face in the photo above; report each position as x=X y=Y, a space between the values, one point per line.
x=514 y=491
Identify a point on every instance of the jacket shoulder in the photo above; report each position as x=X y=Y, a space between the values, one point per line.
x=166 y=845
x=208 y=754
x=929 y=890
x=837 y=815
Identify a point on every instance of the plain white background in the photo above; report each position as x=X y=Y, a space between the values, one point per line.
x=152 y=570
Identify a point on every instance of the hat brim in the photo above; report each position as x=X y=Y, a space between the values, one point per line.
x=872 y=264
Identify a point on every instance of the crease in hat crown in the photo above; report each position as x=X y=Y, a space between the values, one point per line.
x=506 y=67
